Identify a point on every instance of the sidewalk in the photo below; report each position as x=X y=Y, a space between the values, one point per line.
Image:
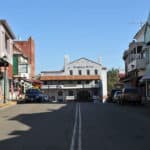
x=8 y=104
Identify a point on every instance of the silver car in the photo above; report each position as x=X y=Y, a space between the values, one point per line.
x=116 y=96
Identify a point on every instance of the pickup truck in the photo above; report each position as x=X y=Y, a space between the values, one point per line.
x=129 y=95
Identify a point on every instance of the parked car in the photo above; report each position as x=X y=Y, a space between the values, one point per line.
x=116 y=96
x=45 y=98
x=130 y=95
x=112 y=94
x=33 y=95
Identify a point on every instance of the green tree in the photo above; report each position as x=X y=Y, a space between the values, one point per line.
x=112 y=78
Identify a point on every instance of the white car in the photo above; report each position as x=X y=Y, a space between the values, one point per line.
x=116 y=96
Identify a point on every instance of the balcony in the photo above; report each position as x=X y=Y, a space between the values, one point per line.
x=137 y=64
x=70 y=86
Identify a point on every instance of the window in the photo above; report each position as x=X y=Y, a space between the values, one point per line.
x=88 y=72
x=70 y=93
x=96 y=72
x=45 y=82
x=80 y=72
x=71 y=72
x=23 y=68
x=60 y=93
x=79 y=82
x=96 y=82
x=87 y=82
x=6 y=41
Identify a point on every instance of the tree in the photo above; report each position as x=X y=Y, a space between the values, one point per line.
x=112 y=78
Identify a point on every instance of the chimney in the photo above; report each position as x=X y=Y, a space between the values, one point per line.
x=100 y=60
x=66 y=60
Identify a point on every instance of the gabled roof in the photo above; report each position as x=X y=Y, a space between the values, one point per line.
x=140 y=31
x=8 y=29
x=18 y=49
x=84 y=59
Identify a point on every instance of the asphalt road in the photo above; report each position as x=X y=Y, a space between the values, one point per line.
x=75 y=126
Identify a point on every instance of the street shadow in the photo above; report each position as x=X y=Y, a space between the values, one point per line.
x=50 y=130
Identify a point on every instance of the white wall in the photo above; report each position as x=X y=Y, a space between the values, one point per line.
x=104 y=83
x=83 y=65
x=3 y=51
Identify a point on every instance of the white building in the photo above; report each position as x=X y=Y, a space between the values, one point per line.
x=6 y=52
x=81 y=79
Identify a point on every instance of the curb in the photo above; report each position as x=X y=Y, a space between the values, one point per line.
x=8 y=104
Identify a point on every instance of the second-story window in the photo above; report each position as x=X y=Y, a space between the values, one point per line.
x=87 y=82
x=96 y=72
x=71 y=72
x=88 y=72
x=70 y=93
x=6 y=41
x=80 y=72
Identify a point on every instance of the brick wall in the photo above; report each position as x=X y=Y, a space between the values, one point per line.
x=28 y=49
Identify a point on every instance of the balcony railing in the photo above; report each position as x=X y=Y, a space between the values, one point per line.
x=137 y=64
x=71 y=86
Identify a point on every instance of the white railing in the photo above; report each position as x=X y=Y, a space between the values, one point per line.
x=70 y=98
x=73 y=86
x=137 y=64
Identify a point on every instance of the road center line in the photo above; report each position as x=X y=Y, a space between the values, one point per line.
x=80 y=130
x=72 y=146
x=76 y=142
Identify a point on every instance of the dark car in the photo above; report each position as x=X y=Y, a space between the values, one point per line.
x=33 y=95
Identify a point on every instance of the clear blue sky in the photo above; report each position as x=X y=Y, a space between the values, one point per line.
x=79 y=28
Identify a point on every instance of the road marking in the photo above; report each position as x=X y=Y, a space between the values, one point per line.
x=76 y=145
x=80 y=129
x=74 y=129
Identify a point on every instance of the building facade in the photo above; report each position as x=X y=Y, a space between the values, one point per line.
x=146 y=51
x=6 y=54
x=81 y=79
x=137 y=61
x=17 y=64
x=28 y=49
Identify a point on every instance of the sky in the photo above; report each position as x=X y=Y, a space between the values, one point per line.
x=78 y=28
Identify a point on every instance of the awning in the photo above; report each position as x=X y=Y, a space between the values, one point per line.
x=145 y=77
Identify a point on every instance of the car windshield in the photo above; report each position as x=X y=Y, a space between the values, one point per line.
x=33 y=91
